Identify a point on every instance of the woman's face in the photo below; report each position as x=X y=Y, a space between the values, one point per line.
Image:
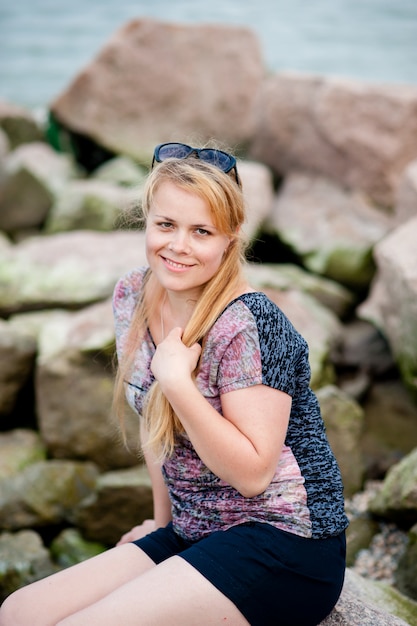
x=183 y=247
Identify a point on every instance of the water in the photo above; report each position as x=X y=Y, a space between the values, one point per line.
x=44 y=43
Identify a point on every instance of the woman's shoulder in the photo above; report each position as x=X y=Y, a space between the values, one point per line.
x=128 y=288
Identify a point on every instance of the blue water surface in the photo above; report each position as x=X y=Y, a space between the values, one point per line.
x=44 y=43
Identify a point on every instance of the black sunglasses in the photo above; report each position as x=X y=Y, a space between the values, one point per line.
x=223 y=160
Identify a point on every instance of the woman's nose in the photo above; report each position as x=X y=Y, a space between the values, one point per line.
x=179 y=242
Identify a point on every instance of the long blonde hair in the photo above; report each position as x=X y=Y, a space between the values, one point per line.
x=226 y=203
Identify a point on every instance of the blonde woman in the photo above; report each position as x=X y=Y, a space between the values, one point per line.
x=248 y=501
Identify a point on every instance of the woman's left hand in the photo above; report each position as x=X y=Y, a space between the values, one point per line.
x=173 y=360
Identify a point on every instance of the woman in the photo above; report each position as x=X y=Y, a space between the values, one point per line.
x=248 y=500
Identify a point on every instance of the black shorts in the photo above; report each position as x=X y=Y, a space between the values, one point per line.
x=274 y=577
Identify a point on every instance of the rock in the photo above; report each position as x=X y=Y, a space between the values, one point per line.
x=67 y=270
x=69 y=548
x=19 y=124
x=19 y=448
x=359 y=135
x=405 y=206
x=359 y=534
x=44 y=493
x=284 y=276
x=23 y=559
x=397 y=498
x=90 y=205
x=74 y=388
x=406 y=573
x=258 y=190
x=392 y=303
x=17 y=359
x=4 y=150
x=344 y=420
x=33 y=175
x=390 y=426
x=121 y=170
x=332 y=230
x=367 y=603
x=123 y=499
x=132 y=96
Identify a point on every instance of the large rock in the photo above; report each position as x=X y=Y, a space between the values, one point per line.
x=392 y=304
x=158 y=81
x=406 y=197
x=74 y=388
x=344 y=420
x=397 y=498
x=67 y=270
x=332 y=230
x=33 y=175
x=17 y=358
x=406 y=572
x=367 y=603
x=122 y=499
x=258 y=190
x=23 y=559
x=19 y=124
x=91 y=205
x=19 y=448
x=358 y=134
x=44 y=493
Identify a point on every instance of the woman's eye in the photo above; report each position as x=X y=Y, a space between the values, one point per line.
x=202 y=231
x=165 y=224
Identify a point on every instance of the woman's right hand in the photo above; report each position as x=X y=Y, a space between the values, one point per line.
x=137 y=532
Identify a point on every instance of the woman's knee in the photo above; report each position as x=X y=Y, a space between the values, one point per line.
x=12 y=611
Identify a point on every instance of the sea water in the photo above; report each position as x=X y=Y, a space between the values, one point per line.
x=44 y=43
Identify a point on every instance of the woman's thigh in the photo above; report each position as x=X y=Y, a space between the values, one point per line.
x=173 y=593
x=49 y=600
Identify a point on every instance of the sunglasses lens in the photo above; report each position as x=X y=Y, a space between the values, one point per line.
x=220 y=159
x=173 y=151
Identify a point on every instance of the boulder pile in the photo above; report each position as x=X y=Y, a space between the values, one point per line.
x=329 y=171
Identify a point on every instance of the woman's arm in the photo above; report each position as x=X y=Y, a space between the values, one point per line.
x=243 y=445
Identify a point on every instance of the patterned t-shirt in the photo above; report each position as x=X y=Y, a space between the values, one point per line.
x=251 y=343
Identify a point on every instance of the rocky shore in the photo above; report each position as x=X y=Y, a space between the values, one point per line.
x=329 y=171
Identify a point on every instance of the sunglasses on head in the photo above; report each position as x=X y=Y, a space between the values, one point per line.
x=223 y=160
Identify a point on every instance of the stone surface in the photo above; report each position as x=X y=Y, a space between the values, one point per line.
x=360 y=135
x=405 y=206
x=17 y=358
x=132 y=96
x=406 y=573
x=19 y=448
x=19 y=124
x=67 y=270
x=344 y=420
x=332 y=230
x=392 y=303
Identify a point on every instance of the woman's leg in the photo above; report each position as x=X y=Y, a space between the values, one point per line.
x=47 y=601
x=173 y=593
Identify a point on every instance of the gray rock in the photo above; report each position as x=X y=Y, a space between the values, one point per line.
x=344 y=420
x=285 y=276
x=122 y=500
x=17 y=359
x=392 y=303
x=359 y=135
x=44 y=493
x=367 y=603
x=131 y=96
x=397 y=498
x=406 y=572
x=258 y=190
x=332 y=230
x=33 y=175
x=405 y=206
x=121 y=170
x=91 y=205
x=19 y=448
x=19 y=124
x=70 y=548
x=74 y=388
x=68 y=270
x=23 y=559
